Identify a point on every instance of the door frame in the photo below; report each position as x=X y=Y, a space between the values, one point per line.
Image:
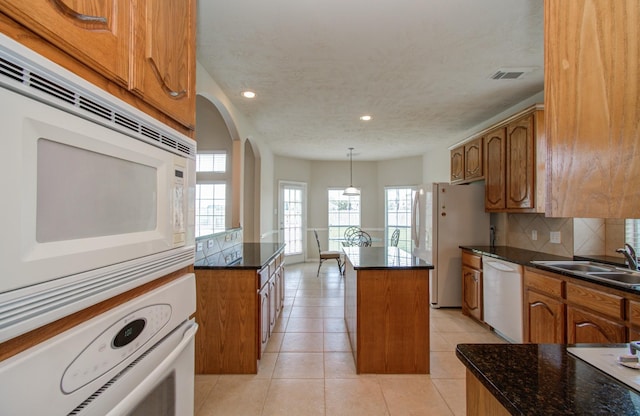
x=295 y=258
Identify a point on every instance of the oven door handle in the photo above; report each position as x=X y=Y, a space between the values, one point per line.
x=138 y=394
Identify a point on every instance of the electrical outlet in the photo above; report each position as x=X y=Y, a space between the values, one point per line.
x=209 y=243
x=199 y=246
x=554 y=237
x=534 y=235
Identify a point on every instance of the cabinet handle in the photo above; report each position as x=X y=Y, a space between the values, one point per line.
x=84 y=18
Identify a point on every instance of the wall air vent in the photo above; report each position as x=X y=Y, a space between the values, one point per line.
x=511 y=73
x=27 y=73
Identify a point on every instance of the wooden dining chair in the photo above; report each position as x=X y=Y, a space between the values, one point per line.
x=327 y=255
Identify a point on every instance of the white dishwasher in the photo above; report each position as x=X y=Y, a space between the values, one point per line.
x=502 y=292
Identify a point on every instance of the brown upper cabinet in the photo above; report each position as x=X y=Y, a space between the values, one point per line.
x=467 y=162
x=514 y=163
x=591 y=101
x=147 y=47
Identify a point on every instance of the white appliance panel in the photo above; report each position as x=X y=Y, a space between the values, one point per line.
x=448 y=216
x=502 y=293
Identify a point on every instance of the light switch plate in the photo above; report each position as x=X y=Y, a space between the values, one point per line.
x=199 y=246
x=209 y=243
x=554 y=237
x=534 y=235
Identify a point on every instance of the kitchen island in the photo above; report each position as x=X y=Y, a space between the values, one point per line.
x=539 y=379
x=237 y=307
x=387 y=310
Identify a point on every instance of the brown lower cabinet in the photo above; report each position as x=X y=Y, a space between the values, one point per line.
x=560 y=309
x=472 y=285
x=237 y=311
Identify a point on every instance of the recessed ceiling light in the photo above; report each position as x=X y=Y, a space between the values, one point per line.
x=248 y=94
x=365 y=118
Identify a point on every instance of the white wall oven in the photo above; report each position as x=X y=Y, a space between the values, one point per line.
x=136 y=359
x=98 y=196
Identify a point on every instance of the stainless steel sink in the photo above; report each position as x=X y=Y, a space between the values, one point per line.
x=596 y=271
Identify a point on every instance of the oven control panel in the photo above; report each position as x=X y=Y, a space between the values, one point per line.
x=114 y=345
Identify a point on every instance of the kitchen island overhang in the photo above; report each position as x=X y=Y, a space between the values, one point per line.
x=387 y=310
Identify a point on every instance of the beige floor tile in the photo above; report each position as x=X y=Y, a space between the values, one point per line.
x=267 y=364
x=307 y=311
x=275 y=342
x=414 y=396
x=445 y=364
x=308 y=302
x=309 y=293
x=354 y=396
x=455 y=338
x=335 y=325
x=204 y=384
x=305 y=325
x=236 y=396
x=339 y=365
x=336 y=341
x=453 y=391
x=295 y=397
x=299 y=365
x=334 y=312
x=438 y=342
x=334 y=302
x=303 y=342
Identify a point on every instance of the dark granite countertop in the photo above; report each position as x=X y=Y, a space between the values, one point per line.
x=253 y=256
x=544 y=379
x=384 y=258
x=525 y=258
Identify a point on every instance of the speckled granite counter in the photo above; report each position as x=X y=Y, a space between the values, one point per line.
x=544 y=379
x=250 y=256
x=526 y=257
x=384 y=258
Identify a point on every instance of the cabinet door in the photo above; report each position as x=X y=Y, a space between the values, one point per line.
x=472 y=292
x=585 y=327
x=273 y=304
x=164 y=56
x=457 y=164
x=591 y=101
x=494 y=169
x=520 y=164
x=544 y=319
x=96 y=33
x=264 y=318
x=473 y=159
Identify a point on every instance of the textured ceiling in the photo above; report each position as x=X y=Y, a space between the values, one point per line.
x=421 y=68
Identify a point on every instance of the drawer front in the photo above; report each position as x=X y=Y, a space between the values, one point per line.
x=634 y=313
x=472 y=260
x=601 y=302
x=542 y=283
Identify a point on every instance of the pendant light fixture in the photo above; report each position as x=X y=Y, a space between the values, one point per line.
x=351 y=191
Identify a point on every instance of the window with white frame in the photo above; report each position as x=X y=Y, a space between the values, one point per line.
x=632 y=233
x=211 y=192
x=210 y=208
x=344 y=212
x=398 y=203
x=211 y=162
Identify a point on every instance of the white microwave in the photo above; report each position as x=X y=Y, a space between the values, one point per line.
x=98 y=197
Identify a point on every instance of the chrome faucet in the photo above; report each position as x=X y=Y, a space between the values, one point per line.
x=630 y=254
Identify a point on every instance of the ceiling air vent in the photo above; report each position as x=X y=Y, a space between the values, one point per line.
x=511 y=73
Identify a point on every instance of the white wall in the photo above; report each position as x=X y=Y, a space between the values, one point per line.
x=241 y=129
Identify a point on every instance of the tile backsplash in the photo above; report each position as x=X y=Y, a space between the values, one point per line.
x=219 y=249
x=578 y=236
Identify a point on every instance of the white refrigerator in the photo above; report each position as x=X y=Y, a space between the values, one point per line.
x=445 y=217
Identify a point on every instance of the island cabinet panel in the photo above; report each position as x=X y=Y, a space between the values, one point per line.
x=237 y=310
x=591 y=96
x=480 y=401
x=226 y=311
x=393 y=321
